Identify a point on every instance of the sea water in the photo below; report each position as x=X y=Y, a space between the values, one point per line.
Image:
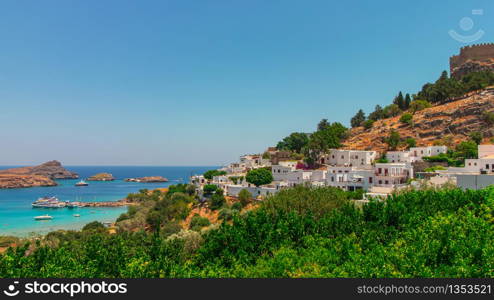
x=17 y=214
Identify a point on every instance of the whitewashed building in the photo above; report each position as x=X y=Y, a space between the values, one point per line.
x=392 y=174
x=350 y=178
x=337 y=157
x=399 y=156
x=420 y=152
x=280 y=172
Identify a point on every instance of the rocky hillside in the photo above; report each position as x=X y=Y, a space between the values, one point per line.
x=11 y=181
x=52 y=169
x=451 y=122
x=42 y=175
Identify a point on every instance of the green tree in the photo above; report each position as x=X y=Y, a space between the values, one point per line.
x=393 y=140
x=466 y=149
x=392 y=110
x=211 y=173
x=377 y=114
x=323 y=124
x=418 y=105
x=208 y=189
x=408 y=100
x=259 y=176
x=244 y=197
x=410 y=142
x=358 y=118
x=476 y=136
x=400 y=101
x=294 y=142
x=217 y=201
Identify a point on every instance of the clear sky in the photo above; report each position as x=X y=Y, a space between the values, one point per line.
x=119 y=82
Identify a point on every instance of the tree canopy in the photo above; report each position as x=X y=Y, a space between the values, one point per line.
x=259 y=176
x=294 y=142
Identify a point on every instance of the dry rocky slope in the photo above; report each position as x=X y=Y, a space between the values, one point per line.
x=42 y=175
x=454 y=120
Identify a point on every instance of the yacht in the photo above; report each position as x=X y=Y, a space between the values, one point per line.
x=48 y=202
x=81 y=183
x=77 y=215
x=44 y=217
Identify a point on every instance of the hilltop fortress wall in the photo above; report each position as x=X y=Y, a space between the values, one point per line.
x=481 y=56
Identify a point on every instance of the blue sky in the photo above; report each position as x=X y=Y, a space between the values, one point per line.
x=120 y=82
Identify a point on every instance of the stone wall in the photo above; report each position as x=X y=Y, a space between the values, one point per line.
x=472 y=58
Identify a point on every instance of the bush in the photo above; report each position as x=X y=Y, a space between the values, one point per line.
x=477 y=137
x=488 y=117
x=406 y=118
x=418 y=105
x=368 y=124
x=410 y=142
x=225 y=214
x=209 y=189
x=305 y=200
x=434 y=168
x=94 y=226
x=211 y=173
x=217 y=201
x=123 y=217
x=393 y=140
x=237 y=206
x=244 y=197
x=197 y=223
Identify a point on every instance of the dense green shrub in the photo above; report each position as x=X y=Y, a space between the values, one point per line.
x=406 y=118
x=197 y=222
x=244 y=196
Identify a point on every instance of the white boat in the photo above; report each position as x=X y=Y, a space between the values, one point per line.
x=48 y=202
x=45 y=217
x=77 y=215
x=81 y=183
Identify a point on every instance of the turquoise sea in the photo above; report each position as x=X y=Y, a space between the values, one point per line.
x=17 y=215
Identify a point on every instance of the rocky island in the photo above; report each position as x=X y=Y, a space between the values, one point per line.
x=101 y=177
x=41 y=175
x=147 y=179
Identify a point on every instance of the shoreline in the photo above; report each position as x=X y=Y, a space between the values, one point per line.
x=41 y=228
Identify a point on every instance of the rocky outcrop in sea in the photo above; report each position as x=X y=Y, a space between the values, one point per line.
x=101 y=177
x=147 y=179
x=41 y=175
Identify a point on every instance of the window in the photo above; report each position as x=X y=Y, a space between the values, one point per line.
x=370 y=179
x=380 y=182
x=386 y=182
x=332 y=178
x=487 y=166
